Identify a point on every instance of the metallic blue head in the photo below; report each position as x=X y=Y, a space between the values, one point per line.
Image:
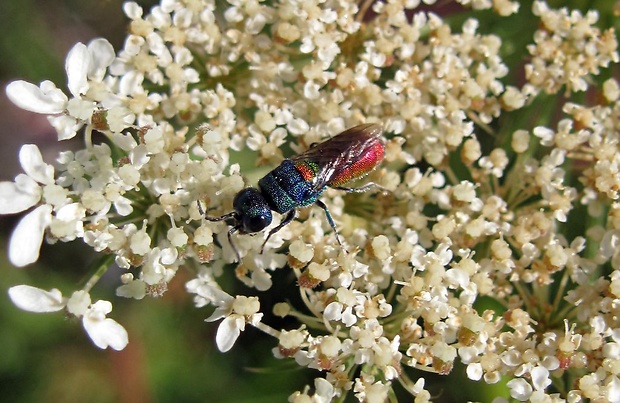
x=253 y=212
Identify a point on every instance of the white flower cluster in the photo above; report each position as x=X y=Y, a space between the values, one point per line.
x=568 y=49
x=197 y=79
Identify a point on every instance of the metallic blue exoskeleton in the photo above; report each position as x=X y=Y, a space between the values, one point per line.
x=300 y=181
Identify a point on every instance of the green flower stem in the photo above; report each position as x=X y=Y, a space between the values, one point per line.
x=102 y=268
x=406 y=382
x=267 y=329
x=309 y=321
x=526 y=296
x=560 y=292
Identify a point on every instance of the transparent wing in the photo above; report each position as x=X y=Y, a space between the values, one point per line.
x=337 y=157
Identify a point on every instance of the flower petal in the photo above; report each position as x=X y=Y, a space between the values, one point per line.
x=132 y=10
x=130 y=83
x=32 y=162
x=76 y=66
x=27 y=237
x=43 y=100
x=106 y=333
x=228 y=331
x=540 y=377
x=216 y=296
x=34 y=299
x=79 y=303
x=66 y=126
x=14 y=199
x=101 y=53
x=520 y=389
x=101 y=307
x=134 y=289
x=218 y=314
x=324 y=389
x=613 y=387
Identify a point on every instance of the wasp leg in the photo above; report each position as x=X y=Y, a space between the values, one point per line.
x=232 y=244
x=365 y=188
x=222 y=218
x=200 y=210
x=330 y=220
x=289 y=217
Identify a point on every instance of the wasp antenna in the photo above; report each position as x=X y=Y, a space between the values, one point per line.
x=221 y=218
x=232 y=214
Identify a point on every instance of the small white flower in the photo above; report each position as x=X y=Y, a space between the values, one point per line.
x=203 y=235
x=140 y=242
x=520 y=389
x=67 y=224
x=613 y=389
x=540 y=377
x=83 y=65
x=104 y=332
x=132 y=289
x=301 y=251
x=236 y=312
x=474 y=371
x=228 y=331
x=324 y=391
x=28 y=190
x=336 y=311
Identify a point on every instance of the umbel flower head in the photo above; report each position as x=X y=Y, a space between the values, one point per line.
x=479 y=202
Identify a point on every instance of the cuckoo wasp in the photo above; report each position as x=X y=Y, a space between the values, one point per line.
x=300 y=181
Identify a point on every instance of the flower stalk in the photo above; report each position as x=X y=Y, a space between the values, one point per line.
x=102 y=267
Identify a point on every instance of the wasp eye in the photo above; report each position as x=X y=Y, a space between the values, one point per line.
x=257 y=223
x=252 y=210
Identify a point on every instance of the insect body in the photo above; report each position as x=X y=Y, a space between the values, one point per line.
x=300 y=181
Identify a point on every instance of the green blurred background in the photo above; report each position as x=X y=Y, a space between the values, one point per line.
x=171 y=355
x=48 y=357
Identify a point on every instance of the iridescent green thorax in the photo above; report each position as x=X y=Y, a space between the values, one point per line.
x=286 y=188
